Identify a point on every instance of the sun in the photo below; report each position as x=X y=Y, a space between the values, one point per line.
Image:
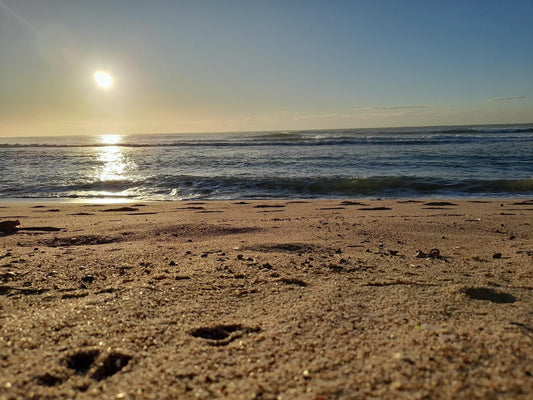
x=103 y=79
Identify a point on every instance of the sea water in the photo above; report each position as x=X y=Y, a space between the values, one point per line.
x=457 y=161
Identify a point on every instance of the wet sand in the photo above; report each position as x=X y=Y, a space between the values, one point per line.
x=395 y=299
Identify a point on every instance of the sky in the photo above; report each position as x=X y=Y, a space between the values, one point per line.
x=261 y=65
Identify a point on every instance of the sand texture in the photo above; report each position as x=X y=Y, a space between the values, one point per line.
x=392 y=299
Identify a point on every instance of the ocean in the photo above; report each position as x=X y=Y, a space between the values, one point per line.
x=421 y=162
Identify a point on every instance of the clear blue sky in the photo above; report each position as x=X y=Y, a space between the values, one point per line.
x=187 y=66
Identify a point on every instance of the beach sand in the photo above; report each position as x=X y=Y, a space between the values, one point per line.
x=268 y=300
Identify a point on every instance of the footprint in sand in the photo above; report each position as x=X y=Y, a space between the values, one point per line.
x=48 y=379
x=440 y=203
x=221 y=335
x=97 y=365
x=120 y=209
x=492 y=295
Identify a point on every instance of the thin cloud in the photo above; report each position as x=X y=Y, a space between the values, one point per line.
x=314 y=116
x=399 y=107
x=508 y=98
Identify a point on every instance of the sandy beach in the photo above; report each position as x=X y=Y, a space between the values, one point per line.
x=321 y=299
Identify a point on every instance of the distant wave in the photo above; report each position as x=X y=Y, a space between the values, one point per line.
x=412 y=139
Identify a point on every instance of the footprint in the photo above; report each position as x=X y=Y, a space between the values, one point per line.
x=293 y=281
x=78 y=241
x=110 y=364
x=120 y=209
x=439 y=203
x=489 y=294
x=283 y=247
x=81 y=361
x=99 y=366
x=221 y=335
x=48 y=379
x=352 y=203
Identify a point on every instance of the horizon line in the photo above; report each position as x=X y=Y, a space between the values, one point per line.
x=267 y=130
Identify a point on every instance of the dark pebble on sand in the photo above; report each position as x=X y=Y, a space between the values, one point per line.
x=88 y=278
x=172 y=263
x=497 y=255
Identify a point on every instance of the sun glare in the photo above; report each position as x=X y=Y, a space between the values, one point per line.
x=103 y=79
x=110 y=139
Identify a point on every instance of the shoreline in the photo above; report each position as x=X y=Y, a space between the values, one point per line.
x=271 y=299
x=125 y=200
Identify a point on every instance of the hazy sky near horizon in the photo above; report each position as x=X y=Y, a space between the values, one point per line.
x=208 y=65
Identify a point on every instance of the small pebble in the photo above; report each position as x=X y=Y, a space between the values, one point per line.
x=88 y=278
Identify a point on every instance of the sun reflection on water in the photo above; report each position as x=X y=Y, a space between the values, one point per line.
x=110 y=139
x=115 y=164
